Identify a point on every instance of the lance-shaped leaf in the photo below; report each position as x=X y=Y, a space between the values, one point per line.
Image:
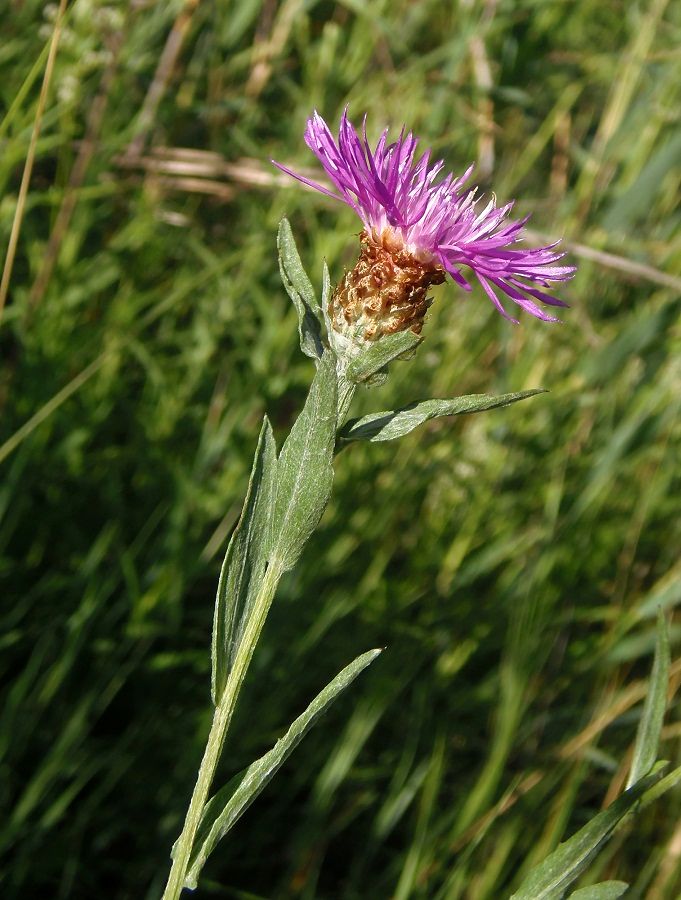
x=606 y=890
x=550 y=880
x=326 y=297
x=225 y=808
x=300 y=290
x=391 y=424
x=305 y=468
x=650 y=726
x=373 y=358
x=244 y=564
x=658 y=790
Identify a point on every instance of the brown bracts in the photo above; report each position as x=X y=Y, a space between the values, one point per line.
x=386 y=291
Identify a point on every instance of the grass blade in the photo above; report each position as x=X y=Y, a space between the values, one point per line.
x=650 y=726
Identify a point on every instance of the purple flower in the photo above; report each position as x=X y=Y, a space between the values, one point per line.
x=439 y=223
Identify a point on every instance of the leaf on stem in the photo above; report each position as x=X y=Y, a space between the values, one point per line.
x=606 y=890
x=326 y=287
x=300 y=290
x=550 y=879
x=376 y=356
x=226 y=807
x=658 y=790
x=326 y=297
x=650 y=726
x=245 y=561
x=391 y=424
x=305 y=468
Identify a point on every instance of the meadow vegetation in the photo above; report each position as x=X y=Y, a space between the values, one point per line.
x=511 y=563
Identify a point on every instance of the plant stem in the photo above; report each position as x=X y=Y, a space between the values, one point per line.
x=227 y=702
x=346 y=391
x=216 y=738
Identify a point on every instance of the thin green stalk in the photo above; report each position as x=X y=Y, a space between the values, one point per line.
x=216 y=738
x=30 y=158
x=226 y=704
x=346 y=391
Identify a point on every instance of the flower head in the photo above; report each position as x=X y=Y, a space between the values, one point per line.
x=435 y=226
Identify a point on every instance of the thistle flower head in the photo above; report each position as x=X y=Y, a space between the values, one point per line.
x=419 y=227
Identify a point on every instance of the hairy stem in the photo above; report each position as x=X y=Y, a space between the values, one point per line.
x=227 y=702
x=346 y=391
x=216 y=738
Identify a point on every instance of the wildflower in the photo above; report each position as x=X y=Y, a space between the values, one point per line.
x=416 y=231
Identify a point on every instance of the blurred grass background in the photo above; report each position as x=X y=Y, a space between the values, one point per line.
x=511 y=563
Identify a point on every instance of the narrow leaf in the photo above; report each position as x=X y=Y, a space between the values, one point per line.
x=551 y=878
x=326 y=287
x=650 y=726
x=244 y=564
x=391 y=424
x=376 y=356
x=300 y=290
x=326 y=296
x=606 y=890
x=226 y=807
x=658 y=790
x=305 y=467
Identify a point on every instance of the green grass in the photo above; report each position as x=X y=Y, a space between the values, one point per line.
x=512 y=563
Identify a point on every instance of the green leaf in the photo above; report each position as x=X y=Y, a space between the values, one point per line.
x=666 y=784
x=606 y=890
x=326 y=287
x=391 y=424
x=650 y=726
x=377 y=355
x=326 y=297
x=226 y=807
x=300 y=290
x=550 y=879
x=305 y=467
x=245 y=561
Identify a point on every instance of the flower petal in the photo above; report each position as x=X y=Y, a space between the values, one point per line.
x=441 y=220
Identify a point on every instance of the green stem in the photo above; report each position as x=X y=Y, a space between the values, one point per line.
x=225 y=707
x=346 y=391
x=221 y=719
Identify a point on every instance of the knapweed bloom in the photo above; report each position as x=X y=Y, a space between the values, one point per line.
x=417 y=230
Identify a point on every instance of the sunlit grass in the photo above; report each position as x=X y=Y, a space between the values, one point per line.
x=511 y=563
